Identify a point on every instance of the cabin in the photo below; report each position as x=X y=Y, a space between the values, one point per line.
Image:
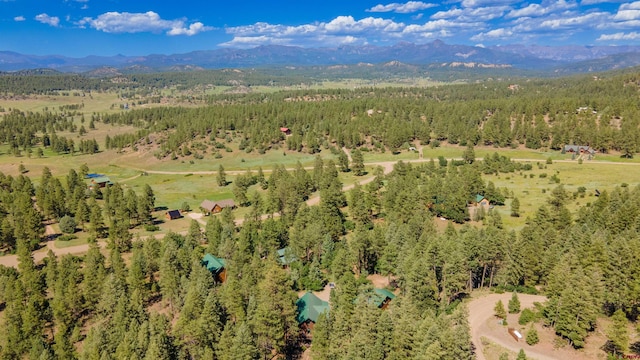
x=482 y=201
x=285 y=130
x=578 y=149
x=100 y=181
x=211 y=207
x=173 y=214
x=309 y=309
x=381 y=298
x=286 y=257
x=216 y=266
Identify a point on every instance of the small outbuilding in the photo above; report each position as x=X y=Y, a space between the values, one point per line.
x=173 y=214
x=286 y=257
x=285 y=130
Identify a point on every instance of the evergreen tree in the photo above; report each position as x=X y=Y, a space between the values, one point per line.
x=515 y=207
x=514 y=304
x=357 y=162
x=499 y=311
x=532 y=336
x=221 y=178
x=617 y=332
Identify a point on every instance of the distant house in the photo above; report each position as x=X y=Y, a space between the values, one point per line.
x=214 y=207
x=286 y=257
x=578 y=149
x=309 y=309
x=100 y=181
x=285 y=130
x=173 y=214
x=216 y=266
x=482 y=201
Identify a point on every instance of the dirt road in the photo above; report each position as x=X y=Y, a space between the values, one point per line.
x=483 y=324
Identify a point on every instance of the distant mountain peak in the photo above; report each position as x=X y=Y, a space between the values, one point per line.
x=529 y=57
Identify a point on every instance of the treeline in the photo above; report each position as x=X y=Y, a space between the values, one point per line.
x=548 y=114
x=23 y=131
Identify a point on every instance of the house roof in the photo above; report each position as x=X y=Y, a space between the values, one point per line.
x=285 y=256
x=380 y=296
x=284 y=129
x=479 y=198
x=226 y=203
x=578 y=148
x=174 y=213
x=101 y=179
x=310 y=307
x=213 y=264
x=208 y=205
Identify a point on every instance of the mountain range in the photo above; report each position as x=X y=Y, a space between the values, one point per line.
x=557 y=59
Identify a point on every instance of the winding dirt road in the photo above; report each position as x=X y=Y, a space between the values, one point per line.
x=483 y=324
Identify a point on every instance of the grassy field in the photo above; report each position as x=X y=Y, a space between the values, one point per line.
x=180 y=181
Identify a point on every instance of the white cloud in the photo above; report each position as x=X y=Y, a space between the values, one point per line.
x=472 y=14
x=493 y=35
x=628 y=12
x=49 y=20
x=116 y=22
x=485 y=3
x=19 y=18
x=577 y=21
x=409 y=7
x=193 y=29
x=619 y=36
x=540 y=10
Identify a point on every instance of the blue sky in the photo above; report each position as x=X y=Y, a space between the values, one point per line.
x=141 y=27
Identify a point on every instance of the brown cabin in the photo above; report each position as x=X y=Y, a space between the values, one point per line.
x=173 y=214
x=285 y=130
x=214 y=207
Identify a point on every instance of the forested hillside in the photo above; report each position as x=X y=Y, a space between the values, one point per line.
x=594 y=111
x=153 y=297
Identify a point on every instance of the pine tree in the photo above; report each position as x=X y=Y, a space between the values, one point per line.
x=515 y=207
x=521 y=355
x=357 y=162
x=221 y=178
x=617 y=332
x=499 y=310
x=514 y=304
x=532 y=336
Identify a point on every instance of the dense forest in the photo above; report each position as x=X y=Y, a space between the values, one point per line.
x=600 y=112
x=152 y=298
x=159 y=302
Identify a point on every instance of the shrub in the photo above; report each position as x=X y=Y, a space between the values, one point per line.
x=67 y=224
x=151 y=227
x=67 y=237
x=532 y=336
x=526 y=317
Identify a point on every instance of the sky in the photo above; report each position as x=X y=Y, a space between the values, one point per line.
x=79 y=28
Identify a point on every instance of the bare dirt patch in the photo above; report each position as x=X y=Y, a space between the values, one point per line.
x=486 y=329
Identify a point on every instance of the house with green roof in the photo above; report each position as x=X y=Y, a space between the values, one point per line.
x=481 y=200
x=216 y=266
x=286 y=257
x=309 y=309
x=381 y=298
